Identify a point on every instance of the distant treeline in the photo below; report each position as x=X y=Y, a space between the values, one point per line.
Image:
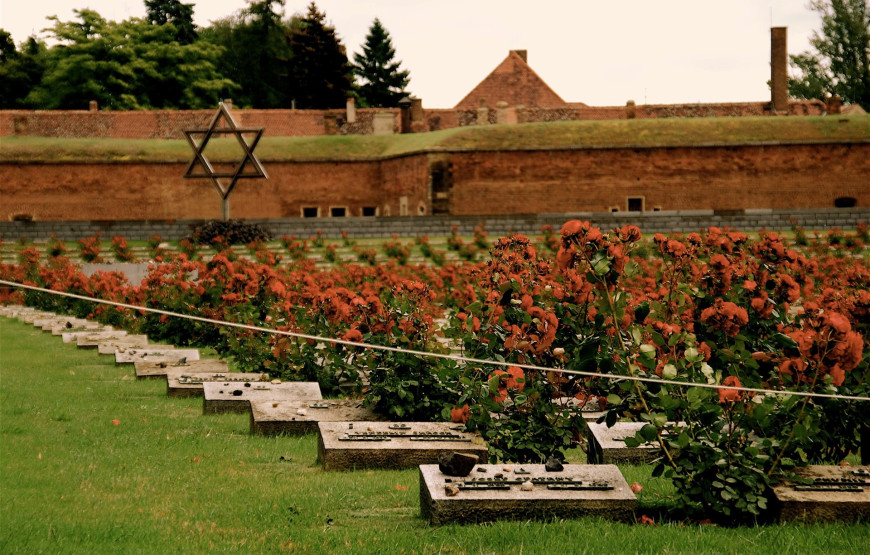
x=256 y=56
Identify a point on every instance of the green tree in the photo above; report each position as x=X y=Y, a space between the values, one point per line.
x=383 y=83
x=161 y=12
x=840 y=64
x=20 y=71
x=125 y=66
x=320 y=75
x=256 y=53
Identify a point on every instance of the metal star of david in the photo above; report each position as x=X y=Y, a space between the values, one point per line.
x=248 y=168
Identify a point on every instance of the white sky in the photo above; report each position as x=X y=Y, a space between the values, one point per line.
x=601 y=52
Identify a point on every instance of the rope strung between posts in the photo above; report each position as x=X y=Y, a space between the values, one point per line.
x=458 y=358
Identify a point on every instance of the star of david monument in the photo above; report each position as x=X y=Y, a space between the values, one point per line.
x=227 y=174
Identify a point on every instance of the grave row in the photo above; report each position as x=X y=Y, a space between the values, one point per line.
x=351 y=436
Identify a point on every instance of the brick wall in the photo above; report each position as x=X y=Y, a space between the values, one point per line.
x=719 y=178
x=170 y=124
x=507 y=182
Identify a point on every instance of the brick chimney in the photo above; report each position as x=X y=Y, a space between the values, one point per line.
x=524 y=54
x=778 y=69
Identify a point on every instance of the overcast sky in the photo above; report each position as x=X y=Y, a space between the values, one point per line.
x=602 y=53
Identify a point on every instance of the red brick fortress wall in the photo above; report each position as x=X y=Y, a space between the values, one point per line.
x=718 y=178
x=497 y=182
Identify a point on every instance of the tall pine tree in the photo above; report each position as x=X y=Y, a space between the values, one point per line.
x=383 y=83
x=256 y=53
x=179 y=15
x=320 y=74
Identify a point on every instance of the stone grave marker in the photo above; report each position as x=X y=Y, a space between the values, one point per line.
x=112 y=346
x=829 y=494
x=607 y=445
x=13 y=310
x=61 y=322
x=299 y=417
x=148 y=369
x=589 y=410
x=512 y=491
x=117 y=337
x=155 y=353
x=77 y=325
x=229 y=396
x=393 y=445
x=107 y=332
x=31 y=316
x=189 y=384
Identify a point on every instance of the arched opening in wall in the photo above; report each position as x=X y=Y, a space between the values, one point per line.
x=440 y=182
x=845 y=202
x=614 y=209
x=337 y=211
x=21 y=217
x=310 y=211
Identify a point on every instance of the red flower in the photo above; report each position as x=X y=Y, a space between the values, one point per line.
x=730 y=395
x=460 y=415
x=353 y=335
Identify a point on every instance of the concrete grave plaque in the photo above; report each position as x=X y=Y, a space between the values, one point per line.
x=155 y=353
x=13 y=310
x=513 y=491
x=147 y=369
x=117 y=337
x=394 y=445
x=229 y=396
x=128 y=342
x=107 y=332
x=189 y=384
x=52 y=322
x=607 y=445
x=590 y=410
x=77 y=325
x=31 y=316
x=831 y=494
x=271 y=418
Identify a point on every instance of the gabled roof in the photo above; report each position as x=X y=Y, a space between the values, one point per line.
x=514 y=82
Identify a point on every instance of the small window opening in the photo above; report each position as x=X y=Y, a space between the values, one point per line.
x=310 y=212
x=845 y=202
x=338 y=211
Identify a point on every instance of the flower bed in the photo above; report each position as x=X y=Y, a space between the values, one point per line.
x=715 y=308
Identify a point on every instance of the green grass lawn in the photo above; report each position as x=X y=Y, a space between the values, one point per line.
x=568 y=134
x=167 y=479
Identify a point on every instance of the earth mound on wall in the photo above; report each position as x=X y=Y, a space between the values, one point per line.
x=675 y=132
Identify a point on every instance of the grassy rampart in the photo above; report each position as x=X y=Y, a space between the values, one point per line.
x=676 y=132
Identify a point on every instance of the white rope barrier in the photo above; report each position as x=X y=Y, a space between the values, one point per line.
x=458 y=358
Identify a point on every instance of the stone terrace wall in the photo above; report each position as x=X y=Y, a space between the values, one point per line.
x=530 y=224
